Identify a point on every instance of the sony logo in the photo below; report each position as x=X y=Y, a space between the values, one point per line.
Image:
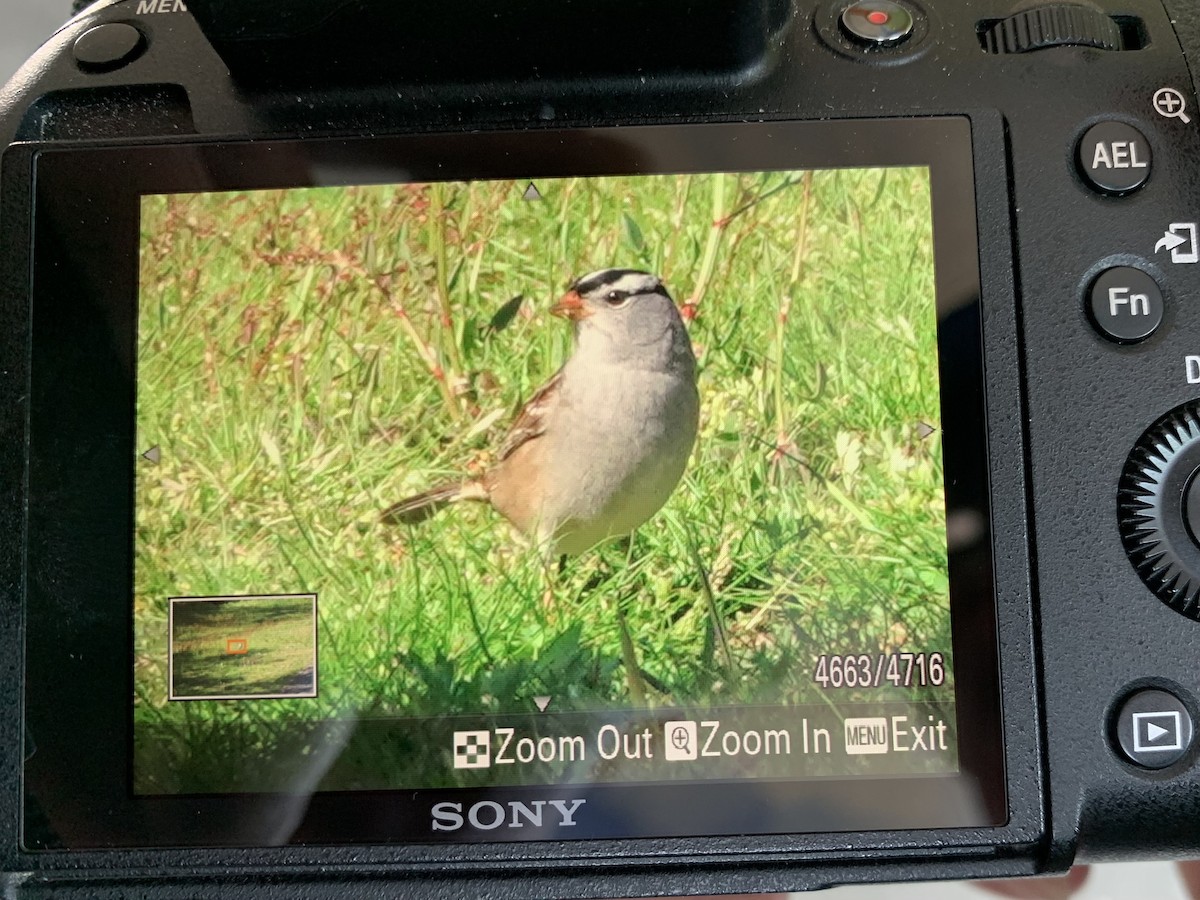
x=488 y=814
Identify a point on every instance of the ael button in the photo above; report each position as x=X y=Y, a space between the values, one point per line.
x=877 y=23
x=107 y=47
x=1154 y=729
x=1114 y=158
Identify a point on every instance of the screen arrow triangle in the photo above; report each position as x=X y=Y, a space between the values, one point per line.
x=532 y=193
x=153 y=455
x=541 y=703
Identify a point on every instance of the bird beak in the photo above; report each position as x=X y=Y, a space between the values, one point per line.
x=570 y=306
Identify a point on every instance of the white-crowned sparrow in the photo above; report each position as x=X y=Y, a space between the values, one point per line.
x=599 y=448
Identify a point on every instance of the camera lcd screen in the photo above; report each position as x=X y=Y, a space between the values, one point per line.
x=521 y=493
x=309 y=357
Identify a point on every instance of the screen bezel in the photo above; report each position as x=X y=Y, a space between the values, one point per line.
x=78 y=610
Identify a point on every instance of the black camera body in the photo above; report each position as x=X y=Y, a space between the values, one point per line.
x=1063 y=141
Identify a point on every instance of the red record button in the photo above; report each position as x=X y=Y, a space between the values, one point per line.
x=877 y=23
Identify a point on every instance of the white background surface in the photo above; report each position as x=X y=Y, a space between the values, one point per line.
x=24 y=24
x=1124 y=881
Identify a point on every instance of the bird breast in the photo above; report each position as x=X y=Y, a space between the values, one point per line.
x=619 y=447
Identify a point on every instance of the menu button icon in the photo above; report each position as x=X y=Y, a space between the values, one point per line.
x=866 y=736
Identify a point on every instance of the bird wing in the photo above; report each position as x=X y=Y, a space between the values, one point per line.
x=531 y=421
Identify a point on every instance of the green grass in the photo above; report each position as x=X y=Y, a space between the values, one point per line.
x=277 y=651
x=309 y=357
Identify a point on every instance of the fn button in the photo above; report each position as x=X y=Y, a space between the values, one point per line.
x=1126 y=305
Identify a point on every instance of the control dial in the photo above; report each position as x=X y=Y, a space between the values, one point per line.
x=1052 y=25
x=1158 y=509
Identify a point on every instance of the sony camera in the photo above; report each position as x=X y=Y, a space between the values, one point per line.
x=571 y=449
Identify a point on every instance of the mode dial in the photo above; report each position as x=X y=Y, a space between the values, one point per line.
x=1052 y=25
x=1158 y=509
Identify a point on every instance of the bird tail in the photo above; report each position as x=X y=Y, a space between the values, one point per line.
x=420 y=507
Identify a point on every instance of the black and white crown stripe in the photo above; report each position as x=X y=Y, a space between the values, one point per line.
x=626 y=282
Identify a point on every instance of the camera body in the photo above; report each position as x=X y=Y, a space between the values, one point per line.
x=1083 y=170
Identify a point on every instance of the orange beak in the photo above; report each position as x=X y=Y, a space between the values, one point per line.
x=570 y=306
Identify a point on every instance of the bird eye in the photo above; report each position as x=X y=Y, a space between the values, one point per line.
x=615 y=298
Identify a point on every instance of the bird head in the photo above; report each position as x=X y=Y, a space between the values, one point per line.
x=618 y=311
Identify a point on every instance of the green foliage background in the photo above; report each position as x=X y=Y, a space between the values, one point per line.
x=309 y=357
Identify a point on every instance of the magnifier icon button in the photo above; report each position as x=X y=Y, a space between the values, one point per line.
x=679 y=740
x=1171 y=104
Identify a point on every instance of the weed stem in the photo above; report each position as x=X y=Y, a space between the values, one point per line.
x=709 y=261
x=437 y=212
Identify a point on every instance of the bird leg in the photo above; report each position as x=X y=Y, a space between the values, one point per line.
x=633 y=671
x=552 y=578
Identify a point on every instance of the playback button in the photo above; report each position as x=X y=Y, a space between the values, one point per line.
x=1154 y=729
